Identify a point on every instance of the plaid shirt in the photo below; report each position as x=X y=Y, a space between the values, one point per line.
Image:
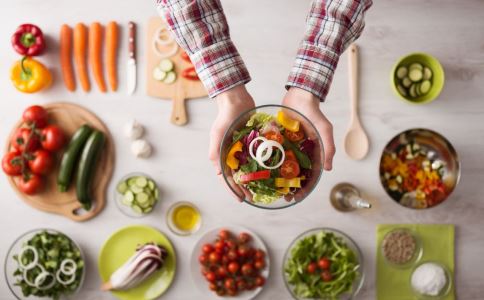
x=200 y=27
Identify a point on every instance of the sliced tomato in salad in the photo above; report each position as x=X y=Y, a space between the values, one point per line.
x=289 y=154
x=294 y=136
x=259 y=175
x=274 y=136
x=290 y=169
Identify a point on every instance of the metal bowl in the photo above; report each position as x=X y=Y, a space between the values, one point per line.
x=437 y=149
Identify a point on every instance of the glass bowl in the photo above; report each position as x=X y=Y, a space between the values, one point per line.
x=445 y=290
x=128 y=210
x=417 y=255
x=11 y=265
x=171 y=224
x=312 y=175
x=358 y=281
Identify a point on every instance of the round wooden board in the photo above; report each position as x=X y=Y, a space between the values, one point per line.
x=70 y=117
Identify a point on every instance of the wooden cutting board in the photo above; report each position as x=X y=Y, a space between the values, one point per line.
x=179 y=91
x=70 y=117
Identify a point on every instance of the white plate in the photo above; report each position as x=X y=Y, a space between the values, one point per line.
x=209 y=237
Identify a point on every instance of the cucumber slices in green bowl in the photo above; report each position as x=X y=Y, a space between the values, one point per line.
x=136 y=195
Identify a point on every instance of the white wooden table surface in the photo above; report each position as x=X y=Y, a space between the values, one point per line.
x=267 y=34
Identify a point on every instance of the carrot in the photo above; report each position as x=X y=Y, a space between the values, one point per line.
x=111 y=52
x=65 y=57
x=95 y=45
x=80 y=51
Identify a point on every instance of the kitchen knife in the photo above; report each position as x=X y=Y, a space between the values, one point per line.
x=131 y=68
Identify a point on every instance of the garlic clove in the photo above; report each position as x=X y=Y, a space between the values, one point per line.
x=141 y=148
x=133 y=130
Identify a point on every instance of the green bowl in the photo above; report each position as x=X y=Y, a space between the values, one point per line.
x=437 y=79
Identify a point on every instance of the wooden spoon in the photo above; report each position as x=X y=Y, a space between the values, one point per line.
x=356 y=140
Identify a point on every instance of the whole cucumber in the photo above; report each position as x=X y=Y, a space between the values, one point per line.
x=71 y=156
x=87 y=167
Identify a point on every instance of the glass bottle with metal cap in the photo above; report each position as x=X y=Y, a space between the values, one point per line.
x=346 y=197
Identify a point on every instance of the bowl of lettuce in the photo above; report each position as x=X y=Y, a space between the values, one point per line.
x=323 y=263
x=271 y=157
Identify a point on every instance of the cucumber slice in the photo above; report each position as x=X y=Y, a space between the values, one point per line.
x=425 y=87
x=145 y=204
x=416 y=66
x=131 y=181
x=158 y=74
x=136 y=189
x=402 y=72
x=170 y=77
x=415 y=75
x=137 y=209
x=417 y=89
x=128 y=197
x=402 y=90
x=141 y=182
x=148 y=209
x=157 y=194
x=406 y=82
x=122 y=187
x=126 y=202
x=412 y=91
x=142 y=198
x=427 y=73
x=166 y=65
x=151 y=185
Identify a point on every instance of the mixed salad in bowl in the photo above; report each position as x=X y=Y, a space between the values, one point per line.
x=272 y=153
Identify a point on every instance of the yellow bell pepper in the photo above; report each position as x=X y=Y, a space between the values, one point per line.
x=231 y=160
x=283 y=190
x=30 y=76
x=287 y=122
x=288 y=183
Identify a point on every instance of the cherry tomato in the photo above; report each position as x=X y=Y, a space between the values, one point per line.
x=242 y=251
x=289 y=169
x=12 y=163
x=259 y=254
x=244 y=237
x=260 y=281
x=274 y=136
x=326 y=276
x=212 y=286
x=203 y=259
x=23 y=136
x=220 y=246
x=52 y=138
x=35 y=115
x=207 y=248
x=214 y=257
x=249 y=285
x=232 y=292
x=233 y=267
x=247 y=269
x=31 y=185
x=210 y=276
x=41 y=162
x=289 y=155
x=260 y=264
x=230 y=244
x=232 y=255
x=229 y=283
x=324 y=264
x=205 y=270
x=294 y=136
x=222 y=272
x=312 y=268
x=224 y=234
x=241 y=284
x=225 y=259
x=221 y=292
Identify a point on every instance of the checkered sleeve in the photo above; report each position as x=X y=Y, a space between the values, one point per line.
x=331 y=26
x=200 y=27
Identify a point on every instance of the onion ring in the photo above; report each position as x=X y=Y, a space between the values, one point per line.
x=272 y=144
x=33 y=263
x=62 y=281
x=163 y=42
x=267 y=146
x=41 y=279
x=167 y=54
x=69 y=270
x=251 y=145
x=26 y=278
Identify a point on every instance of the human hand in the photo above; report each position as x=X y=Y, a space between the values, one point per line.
x=308 y=104
x=231 y=104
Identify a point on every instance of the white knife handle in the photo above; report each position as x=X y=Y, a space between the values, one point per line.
x=132 y=40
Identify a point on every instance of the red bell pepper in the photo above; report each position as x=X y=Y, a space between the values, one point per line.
x=185 y=57
x=190 y=74
x=259 y=175
x=28 y=40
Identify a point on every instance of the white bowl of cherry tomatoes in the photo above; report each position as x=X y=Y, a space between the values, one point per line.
x=230 y=262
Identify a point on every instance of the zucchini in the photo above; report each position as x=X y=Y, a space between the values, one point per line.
x=425 y=87
x=87 y=167
x=402 y=90
x=416 y=66
x=406 y=82
x=140 y=193
x=166 y=65
x=170 y=77
x=412 y=91
x=415 y=75
x=402 y=72
x=427 y=73
x=71 y=156
x=158 y=74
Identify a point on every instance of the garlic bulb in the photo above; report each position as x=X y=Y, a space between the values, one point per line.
x=141 y=148
x=133 y=130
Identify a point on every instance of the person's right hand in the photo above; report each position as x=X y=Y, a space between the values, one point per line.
x=231 y=104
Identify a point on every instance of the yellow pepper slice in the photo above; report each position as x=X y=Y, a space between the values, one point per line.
x=231 y=160
x=30 y=76
x=287 y=122
x=283 y=190
x=288 y=183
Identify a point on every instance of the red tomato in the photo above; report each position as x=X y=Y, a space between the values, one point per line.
x=231 y=244
x=232 y=292
x=244 y=237
x=247 y=269
x=260 y=264
x=31 y=185
x=259 y=254
x=290 y=169
x=23 y=136
x=220 y=246
x=229 y=283
x=260 y=281
x=222 y=272
x=52 y=138
x=12 y=163
x=203 y=259
x=232 y=255
x=210 y=276
x=221 y=292
x=224 y=234
x=312 y=268
x=289 y=155
x=324 y=264
x=207 y=248
x=225 y=259
x=274 y=136
x=212 y=286
x=214 y=257
x=326 y=276
x=233 y=267
x=241 y=284
x=41 y=162
x=242 y=251
x=249 y=285
x=35 y=115
x=205 y=270
x=294 y=136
